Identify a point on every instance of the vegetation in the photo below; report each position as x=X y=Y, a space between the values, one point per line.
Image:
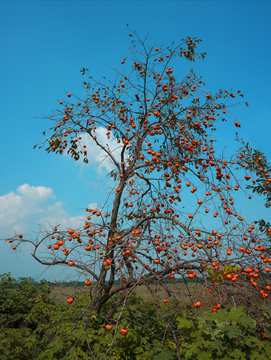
x=33 y=326
x=161 y=145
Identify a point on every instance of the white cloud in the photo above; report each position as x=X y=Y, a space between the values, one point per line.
x=37 y=192
x=29 y=206
x=16 y=207
x=97 y=156
x=92 y=206
x=73 y=222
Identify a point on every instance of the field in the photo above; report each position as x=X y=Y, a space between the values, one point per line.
x=185 y=294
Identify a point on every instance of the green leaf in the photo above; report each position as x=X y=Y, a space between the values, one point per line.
x=139 y=350
x=204 y=355
x=255 y=356
x=164 y=356
x=237 y=354
x=182 y=322
x=227 y=267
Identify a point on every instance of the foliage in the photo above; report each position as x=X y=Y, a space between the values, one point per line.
x=24 y=306
x=18 y=298
x=227 y=334
x=50 y=330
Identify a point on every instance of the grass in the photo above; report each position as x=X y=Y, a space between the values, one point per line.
x=185 y=295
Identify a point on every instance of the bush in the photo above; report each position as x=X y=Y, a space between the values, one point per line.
x=24 y=306
x=36 y=327
x=228 y=334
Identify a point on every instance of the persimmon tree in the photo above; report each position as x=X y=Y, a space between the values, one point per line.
x=164 y=127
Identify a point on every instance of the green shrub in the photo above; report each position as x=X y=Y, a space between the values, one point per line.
x=24 y=305
x=33 y=326
x=228 y=334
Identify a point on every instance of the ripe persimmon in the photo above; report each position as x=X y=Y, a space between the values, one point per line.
x=117 y=247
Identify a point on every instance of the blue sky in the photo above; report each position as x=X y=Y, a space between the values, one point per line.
x=44 y=46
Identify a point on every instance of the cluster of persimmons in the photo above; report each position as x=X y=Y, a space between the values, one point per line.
x=166 y=155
